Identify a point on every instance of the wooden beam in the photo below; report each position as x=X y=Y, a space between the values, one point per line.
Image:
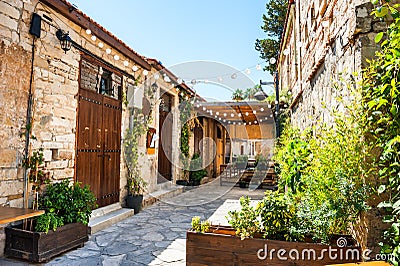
x=79 y=18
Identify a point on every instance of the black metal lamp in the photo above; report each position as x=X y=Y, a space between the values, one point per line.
x=260 y=95
x=154 y=86
x=65 y=40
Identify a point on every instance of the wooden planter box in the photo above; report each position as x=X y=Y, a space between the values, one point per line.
x=39 y=246
x=223 y=248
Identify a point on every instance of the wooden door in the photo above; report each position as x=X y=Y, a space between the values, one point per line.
x=220 y=150
x=99 y=145
x=165 y=141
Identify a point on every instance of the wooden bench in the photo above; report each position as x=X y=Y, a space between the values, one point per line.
x=12 y=214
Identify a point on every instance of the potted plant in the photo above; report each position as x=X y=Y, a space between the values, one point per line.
x=62 y=227
x=135 y=186
x=238 y=95
x=258 y=234
x=196 y=170
x=135 y=183
x=261 y=162
x=241 y=161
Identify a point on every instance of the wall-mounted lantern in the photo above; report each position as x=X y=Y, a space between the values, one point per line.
x=65 y=40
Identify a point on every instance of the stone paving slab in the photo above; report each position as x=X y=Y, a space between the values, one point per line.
x=155 y=236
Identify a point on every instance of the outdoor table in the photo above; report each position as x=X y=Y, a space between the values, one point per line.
x=11 y=214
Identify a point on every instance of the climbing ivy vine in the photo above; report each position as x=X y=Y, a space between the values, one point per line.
x=381 y=101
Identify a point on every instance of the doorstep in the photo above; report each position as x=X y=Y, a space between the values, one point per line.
x=165 y=191
x=104 y=217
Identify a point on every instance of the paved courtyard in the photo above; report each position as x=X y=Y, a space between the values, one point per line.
x=155 y=236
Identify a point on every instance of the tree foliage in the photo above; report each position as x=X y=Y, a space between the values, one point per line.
x=274 y=23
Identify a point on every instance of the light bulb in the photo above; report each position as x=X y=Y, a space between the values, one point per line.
x=108 y=51
x=88 y=31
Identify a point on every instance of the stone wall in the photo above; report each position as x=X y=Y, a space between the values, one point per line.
x=330 y=40
x=54 y=89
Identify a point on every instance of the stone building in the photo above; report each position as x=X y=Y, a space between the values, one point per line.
x=322 y=42
x=75 y=101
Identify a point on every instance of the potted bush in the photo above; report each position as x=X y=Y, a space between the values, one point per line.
x=135 y=186
x=238 y=95
x=261 y=162
x=258 y=233
x=196 y=170
x=62 y=227
x=241 y=161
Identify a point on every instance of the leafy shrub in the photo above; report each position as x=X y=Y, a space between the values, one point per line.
x=200 y=226
x=276 y=212
x=246 y=222
x=197 y=172
x=65 y=203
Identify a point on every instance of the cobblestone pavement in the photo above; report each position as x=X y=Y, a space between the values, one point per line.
x=155 y=236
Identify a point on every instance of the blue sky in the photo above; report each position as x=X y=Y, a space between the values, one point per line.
x=178 y=31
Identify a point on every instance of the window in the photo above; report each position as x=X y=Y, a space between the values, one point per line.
x=106 y=83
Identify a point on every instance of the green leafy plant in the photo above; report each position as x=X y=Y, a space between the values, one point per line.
x=37 y=175
x=276 y=211
x=63 y=204
x=238 y=95
x=328 y=179
x=241 y=160
x=197 y=172
x=246 y=222
x=188 y=121
x=200 y=226
x=381 y=101
x=293 y=155
x=274 y=23
x=135 y=183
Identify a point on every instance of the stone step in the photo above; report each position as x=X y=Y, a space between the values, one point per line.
x=163 y=193
x=109 y=218
x=106 y=216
